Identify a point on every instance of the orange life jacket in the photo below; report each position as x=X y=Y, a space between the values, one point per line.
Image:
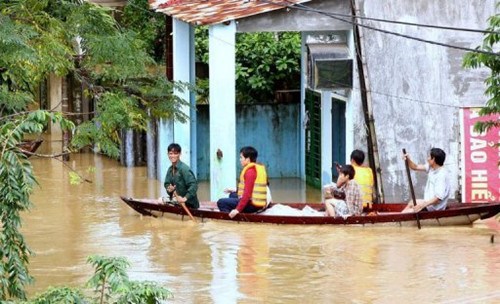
x=259 y=194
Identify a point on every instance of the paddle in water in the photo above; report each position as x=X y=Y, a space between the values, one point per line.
x=183 y=205
x=411 y=187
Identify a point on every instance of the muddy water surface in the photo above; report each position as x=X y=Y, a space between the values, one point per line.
x=219 y=262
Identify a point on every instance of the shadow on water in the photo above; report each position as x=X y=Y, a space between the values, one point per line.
x=226 y=262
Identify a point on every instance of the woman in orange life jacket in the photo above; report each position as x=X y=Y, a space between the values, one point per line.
x=252 y=187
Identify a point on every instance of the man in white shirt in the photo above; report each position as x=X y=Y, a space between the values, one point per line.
x=437 y=188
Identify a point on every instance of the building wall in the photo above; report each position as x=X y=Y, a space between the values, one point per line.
x=273 y=129
x=418 y=88
x=299 y=20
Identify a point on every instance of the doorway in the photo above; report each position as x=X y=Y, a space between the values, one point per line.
x=338 y=135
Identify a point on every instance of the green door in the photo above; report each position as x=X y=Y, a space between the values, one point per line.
x=313 y=139
x=338 y=135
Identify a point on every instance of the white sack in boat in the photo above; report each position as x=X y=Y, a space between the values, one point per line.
x=284 y=210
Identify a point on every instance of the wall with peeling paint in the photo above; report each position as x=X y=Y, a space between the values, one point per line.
x=273 y=129
x=418 y=88
x=299 y=20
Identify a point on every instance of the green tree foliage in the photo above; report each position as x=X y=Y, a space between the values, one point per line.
x=492 y=62
x=83 y=40
x=66 y=38
x=16 y=184
x=59 y=295
x=265 y=62
x=110 y=284
x=149 y=25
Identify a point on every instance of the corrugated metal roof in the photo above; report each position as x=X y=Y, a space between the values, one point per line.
x=205 y=12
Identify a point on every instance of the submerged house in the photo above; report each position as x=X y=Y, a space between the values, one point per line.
x=375 y=75
x=404 y=90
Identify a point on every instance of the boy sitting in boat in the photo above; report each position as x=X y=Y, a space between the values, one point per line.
x=252 y=187
x=352 y=204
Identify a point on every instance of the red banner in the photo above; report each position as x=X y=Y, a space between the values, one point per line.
x=480 y=157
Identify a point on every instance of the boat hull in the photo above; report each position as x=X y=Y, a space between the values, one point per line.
x=379 y=215
x=28 y=147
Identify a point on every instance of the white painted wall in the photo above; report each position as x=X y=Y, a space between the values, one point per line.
x=326 y=137
x=222 y=51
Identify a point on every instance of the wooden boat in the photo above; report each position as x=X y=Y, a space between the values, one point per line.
x=30 y=146
x=380 y=214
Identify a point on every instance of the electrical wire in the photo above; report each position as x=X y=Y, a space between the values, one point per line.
x=284 y=4
x=353 y=88
x=460 y=29
x=299 y=6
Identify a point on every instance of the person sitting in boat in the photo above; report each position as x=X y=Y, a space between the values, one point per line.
x=437 y=188
x=352 y=204
x=180 y=182
x=363 y=176
x=251 y=195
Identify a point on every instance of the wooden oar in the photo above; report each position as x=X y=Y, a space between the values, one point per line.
x=185 y=208
x=411 y=187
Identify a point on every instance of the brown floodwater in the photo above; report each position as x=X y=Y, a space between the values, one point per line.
x=226 y=262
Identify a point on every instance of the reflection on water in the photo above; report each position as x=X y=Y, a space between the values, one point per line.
x=225 y=262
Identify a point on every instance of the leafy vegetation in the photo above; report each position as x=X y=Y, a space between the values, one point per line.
x=492 y=62
x=16 y=184
x=116 y=63
x=110 y=284
x=77 y=40
x=265 y=62
x=149 y=25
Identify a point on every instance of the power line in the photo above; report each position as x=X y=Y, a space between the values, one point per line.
x=380 y=30
x=302 y=7
x=354 y=88
x=460 y=29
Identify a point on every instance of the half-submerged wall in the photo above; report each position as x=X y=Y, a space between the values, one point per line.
x=273 y=129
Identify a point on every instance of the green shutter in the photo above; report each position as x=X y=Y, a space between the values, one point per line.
x=313 y=139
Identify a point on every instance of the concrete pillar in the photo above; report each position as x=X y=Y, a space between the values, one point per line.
x=151 y=151
x=173 y=131
x=222 y=39
x=165 y=138
x=303 y=85
x=55 y=103
x=326 y=137
x=184 y=72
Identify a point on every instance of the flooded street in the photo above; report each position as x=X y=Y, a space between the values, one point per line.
x=226 y=262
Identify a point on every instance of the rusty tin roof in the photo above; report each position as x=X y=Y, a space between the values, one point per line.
x=205 y=12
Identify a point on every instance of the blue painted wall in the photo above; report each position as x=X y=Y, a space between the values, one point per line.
x=273 y=129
